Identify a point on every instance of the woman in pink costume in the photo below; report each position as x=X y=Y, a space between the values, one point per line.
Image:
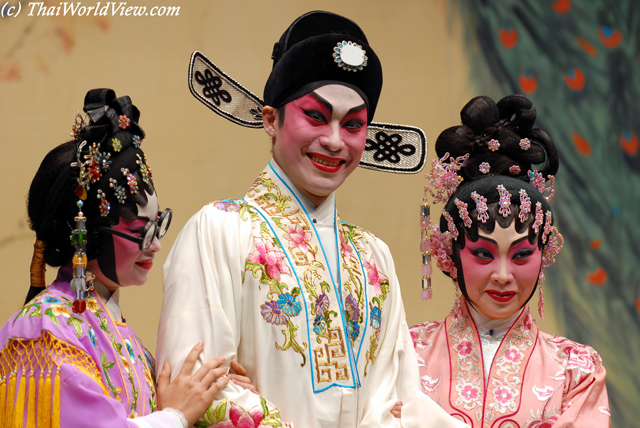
x=487 y=363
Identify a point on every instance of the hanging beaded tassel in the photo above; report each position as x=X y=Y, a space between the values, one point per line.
x=540 y=299
x=79 y=241
x=425 y=223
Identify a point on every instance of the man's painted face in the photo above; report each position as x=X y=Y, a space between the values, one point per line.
x=321 y=140
x=132 y=266
x=500 y=271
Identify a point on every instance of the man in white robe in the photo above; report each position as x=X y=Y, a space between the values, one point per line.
x=309 y=305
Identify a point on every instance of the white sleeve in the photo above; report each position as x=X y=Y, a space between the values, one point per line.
x=161 y=419
x=202 y=301
x=395 y=373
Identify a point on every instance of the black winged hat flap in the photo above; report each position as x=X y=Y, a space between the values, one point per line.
x=389 y=147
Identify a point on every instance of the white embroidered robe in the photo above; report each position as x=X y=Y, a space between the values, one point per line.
x=326 y=346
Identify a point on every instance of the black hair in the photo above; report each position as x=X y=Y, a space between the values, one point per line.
x=109 y=149
x=509 y=122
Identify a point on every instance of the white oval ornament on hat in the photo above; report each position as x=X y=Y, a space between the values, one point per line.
x=349 y=56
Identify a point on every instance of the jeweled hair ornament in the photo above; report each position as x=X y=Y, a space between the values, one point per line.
x=334 y=50
x=498 y=143
x=443 y=181
x=113 y=179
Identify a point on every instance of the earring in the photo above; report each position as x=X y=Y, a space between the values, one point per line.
x=425 y=222
x=540 y=298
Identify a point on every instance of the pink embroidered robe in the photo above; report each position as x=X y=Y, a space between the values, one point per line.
x=537 y=380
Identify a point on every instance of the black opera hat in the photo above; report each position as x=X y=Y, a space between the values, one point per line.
x=321 y=48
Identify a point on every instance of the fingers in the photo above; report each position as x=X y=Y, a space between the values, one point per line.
x=165 y=375
x=214 y=375
x=243 y=381
x=191 y=359
x=236 y=367
x=208 y=366
x=217 y=386
x=396 y=411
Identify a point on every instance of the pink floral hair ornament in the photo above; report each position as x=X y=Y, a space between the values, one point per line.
x=481 y=206
x=515 y=169
x=538 y=181
x=464 y=213
x=441 y=247
x=504 y=202
x=549 y=254
x=525 y=144
x=484 y=167
x=525 y=206
x=539 y=217
x=493 y=145
x=547 y=226
x=443 y=180
x=451 y=225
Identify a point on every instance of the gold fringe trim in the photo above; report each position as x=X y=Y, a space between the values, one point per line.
x=33 y=368
x=55 y=414
x=3 y=399
x=45 y=415
x=31 y=409
x=11 y=393
x=18 y=411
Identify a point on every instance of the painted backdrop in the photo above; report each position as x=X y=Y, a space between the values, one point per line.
x=579 y=61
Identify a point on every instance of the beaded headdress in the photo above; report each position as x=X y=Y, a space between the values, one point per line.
x=469 y=201
x=113 y=176
x=318 y=48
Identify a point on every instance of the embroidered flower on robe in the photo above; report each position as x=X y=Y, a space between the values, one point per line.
x=375 y=278
x=58 y=310
x=298 y=238
x=465 y=347
x=271 y=257
x=239 y=418
x=130 y=351
x=430 y=384
x=541 y=419
x=51 y=301
x=352 y=307
x=503 y=395
x=514 y=355
x=580 y=359
x=469 y=393
x=92 y=305
x=92 y=336
x=227 y=205
x=125 y=364
x=272 y=313
x=347 y=251
x=288 y=304
x=318 y=324
x=322 y=304
x=376 y=317
x=353 y=329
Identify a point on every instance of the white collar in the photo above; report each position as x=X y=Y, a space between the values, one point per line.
x=492 y=327
x=111 y=300
x=322 y=214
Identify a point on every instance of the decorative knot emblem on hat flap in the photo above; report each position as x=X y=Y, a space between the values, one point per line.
x=349 y=56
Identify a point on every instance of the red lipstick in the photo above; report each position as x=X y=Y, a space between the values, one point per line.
x=325 y=163
x=501 y=297
x=145 y=264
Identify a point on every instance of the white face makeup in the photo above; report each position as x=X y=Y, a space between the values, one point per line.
x=321 y=140
x=500 y=271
